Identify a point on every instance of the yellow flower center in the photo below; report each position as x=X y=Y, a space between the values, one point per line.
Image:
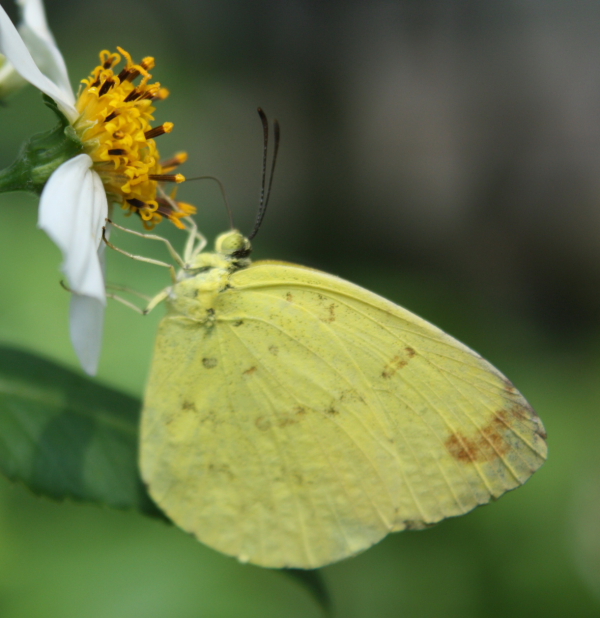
x=114 y=127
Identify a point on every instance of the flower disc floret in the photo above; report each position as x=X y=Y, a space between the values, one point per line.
x=115 y=129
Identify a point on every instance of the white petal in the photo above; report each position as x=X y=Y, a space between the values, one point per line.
x=86 y=321
x=15 y=50
x=40 y=42
x=86 y=326
x=73 y=210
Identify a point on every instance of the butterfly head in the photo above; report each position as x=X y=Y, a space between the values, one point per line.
x=234 y=247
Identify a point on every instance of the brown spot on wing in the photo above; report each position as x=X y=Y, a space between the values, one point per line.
x=350 y=396
x=281 y=420
x=489 y=443
x=274 y=350
x=522 y=412
x=250 y=371
x=284 y=420
x=209 y=363
x=212 y=417
x=398 y=362
x=221 y=470
x=330 y=313
x=189 y=405
x=390 y=369
x=262 y=423
x=289 y=297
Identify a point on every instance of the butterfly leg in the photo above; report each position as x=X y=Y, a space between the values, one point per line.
x=170 y=248
x=157 y=300
x=123 y=288
x=141 y=258
x=125 y=302
x=194 y=234
x=153 y=302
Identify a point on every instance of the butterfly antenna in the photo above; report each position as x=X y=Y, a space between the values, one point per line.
x=223 y=193
x=264 y=199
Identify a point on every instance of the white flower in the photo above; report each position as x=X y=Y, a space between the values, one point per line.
x=39 y=40
x=111 y=118
x=73 y=205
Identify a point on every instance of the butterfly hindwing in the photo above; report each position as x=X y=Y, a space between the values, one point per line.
x=310 y=417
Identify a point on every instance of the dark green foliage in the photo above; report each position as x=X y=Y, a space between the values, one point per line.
x=64 y=436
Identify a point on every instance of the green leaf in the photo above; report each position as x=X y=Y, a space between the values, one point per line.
x=65 y=436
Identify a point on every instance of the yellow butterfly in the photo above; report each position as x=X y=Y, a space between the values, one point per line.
x=293 y=419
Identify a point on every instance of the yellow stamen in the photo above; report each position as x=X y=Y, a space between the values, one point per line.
x=167 y=127
x=168 y=177
x=148 y=63
x=161 y=95
x=107 y=59
x=170 y=164
x=115 y=128
x=174 y=211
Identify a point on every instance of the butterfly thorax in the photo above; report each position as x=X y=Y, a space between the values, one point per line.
x=199 y=284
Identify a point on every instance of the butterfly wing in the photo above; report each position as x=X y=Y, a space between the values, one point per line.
x=312 y=417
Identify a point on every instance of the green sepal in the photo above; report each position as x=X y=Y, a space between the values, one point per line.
x=41 y=155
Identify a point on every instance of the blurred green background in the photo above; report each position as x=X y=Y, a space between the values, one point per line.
x=444 y=154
